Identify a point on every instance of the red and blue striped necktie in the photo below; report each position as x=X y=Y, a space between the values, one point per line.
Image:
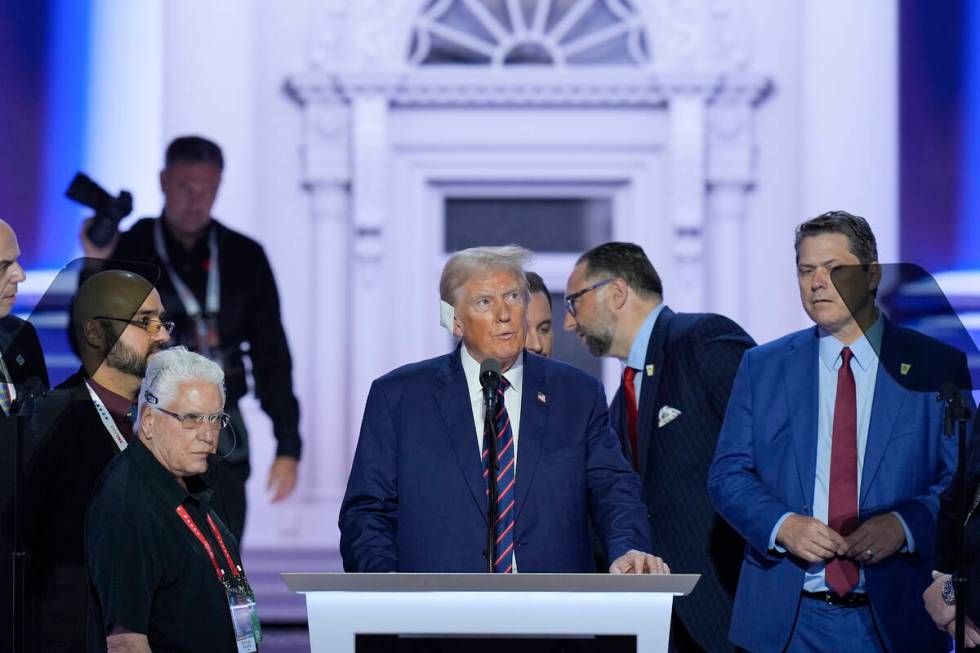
x=504 y=562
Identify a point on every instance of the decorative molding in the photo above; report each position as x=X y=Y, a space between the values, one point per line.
x=326 y=146
x=475 y=32
x=608 y=87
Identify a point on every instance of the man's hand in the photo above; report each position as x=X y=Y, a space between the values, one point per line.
x=972 y=635
x=881 y=536
x=941 y=613
x=121 y=640
x=810 y=539
x=90 y=249
x=282 y=477
x=635 y=562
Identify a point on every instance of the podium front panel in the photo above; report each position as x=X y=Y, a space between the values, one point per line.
x=401 y=604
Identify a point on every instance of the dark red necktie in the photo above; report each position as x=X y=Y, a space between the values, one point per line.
x=842 y=512
x=629 y=394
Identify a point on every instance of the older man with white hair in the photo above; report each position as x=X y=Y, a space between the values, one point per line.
x=417 y=496
x=165 y=571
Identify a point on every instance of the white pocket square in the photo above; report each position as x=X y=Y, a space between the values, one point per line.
x=667 y=414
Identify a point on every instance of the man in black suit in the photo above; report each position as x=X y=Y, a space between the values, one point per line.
x=668 y=412
x=82 y=424
x=21 y=360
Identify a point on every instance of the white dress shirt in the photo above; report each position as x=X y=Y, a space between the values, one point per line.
x=512 y=401
x=512 y=397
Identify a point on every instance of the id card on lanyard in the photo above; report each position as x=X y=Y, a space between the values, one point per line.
x=205 y=323
x=241 y=598
x=107 y=421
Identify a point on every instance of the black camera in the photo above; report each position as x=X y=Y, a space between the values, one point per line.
x=109 y=210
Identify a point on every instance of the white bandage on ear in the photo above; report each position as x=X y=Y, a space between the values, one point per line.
x=446 y=315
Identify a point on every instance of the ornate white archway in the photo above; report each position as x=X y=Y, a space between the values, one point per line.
x=679 y=73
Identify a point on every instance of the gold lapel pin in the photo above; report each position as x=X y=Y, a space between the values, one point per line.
x=650 y=369
x=905 y=368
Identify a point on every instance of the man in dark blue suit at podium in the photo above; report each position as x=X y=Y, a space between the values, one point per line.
x=416 y=498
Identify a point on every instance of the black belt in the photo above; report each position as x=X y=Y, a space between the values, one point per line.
x=849 y=600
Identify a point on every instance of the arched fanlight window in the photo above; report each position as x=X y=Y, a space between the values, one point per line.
x=529 y=32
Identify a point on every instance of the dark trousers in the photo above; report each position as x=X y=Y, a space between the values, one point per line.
x=822 y=627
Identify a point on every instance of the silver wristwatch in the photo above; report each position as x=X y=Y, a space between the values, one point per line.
x=949 y=592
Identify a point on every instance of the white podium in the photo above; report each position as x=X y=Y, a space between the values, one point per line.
x=341 y=606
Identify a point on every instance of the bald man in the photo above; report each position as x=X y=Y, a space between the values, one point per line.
x=118 y=323
x=21 y=360
x=20 y=351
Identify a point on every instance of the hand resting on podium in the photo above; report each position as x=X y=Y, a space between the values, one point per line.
x=636 y=562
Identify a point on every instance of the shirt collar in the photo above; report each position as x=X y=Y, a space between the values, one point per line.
x=163 y=483
x=117 y=405
x=638 y=352
x=865 y=349
x=471 y=369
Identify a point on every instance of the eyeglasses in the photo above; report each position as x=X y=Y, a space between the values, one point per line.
x=148 y=325
x=191 y=421
x=570 y=300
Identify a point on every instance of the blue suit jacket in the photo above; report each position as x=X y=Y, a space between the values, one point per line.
x=765 y=466
x=416 y=498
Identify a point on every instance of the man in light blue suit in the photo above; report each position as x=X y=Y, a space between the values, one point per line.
x=830 y=465
x=416 y=498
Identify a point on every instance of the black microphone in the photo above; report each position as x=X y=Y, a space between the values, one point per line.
x=490 y=380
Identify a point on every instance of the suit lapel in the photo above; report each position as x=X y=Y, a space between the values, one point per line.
x=646 y=428
x=885 y=409
x=452 y=396
x=802 y=395
x=534 y=422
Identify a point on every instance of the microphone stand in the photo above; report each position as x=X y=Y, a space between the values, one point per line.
x=958 y=413
x=490 y=407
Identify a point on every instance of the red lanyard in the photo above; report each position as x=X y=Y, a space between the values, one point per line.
x=207 y=547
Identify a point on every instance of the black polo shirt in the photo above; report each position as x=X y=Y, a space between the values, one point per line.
x=147 y=572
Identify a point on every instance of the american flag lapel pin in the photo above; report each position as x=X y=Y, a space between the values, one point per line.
x=542 y=398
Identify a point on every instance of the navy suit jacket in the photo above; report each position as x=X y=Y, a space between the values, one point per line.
x=765 y=466
x=693 y=358
x=416 y=498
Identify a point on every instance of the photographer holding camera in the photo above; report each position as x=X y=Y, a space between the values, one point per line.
x=218 y=288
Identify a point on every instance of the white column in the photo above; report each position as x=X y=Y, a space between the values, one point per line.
x=730 y=177
x=329 y=445
x=686 y=199
x=371 y=317
x=849 y=108
x=723 y=264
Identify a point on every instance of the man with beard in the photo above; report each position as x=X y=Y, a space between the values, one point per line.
x=668 y=411
x=82 y=424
